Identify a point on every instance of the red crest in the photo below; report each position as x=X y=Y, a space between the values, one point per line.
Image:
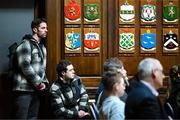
x=91 y=44
x=91 y=40
x=72 y=10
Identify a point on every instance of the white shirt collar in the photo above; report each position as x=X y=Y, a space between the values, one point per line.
x=153 y=90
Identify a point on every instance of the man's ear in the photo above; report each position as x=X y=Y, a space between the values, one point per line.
x=35 y=30
x=153 y=74
x=63 y=73
x=178 y=74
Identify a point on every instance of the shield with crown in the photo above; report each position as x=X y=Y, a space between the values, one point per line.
x=91 y=41
x=127 y=13
x=148 y=13
x=170 y=13
x=148 y=41
x=91 y=12
x=170 y=41
x=72 y=11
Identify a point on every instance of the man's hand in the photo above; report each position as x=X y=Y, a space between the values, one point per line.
x=81 y=113
x=41 y=86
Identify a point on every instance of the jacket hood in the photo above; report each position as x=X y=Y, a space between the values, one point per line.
x=27 y=36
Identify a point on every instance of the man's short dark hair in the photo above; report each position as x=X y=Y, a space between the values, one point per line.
x=112 y=64
x=36 y=22
x=62 y=66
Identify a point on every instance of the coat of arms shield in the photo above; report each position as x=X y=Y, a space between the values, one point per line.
x=91 y=41
x=148 y=13
x=72 y=41
x=72 y=11
x=127 y=13
x=170 y=41
x=170 y=13
x=91 y=12
x=126 y=41
x=148 y=41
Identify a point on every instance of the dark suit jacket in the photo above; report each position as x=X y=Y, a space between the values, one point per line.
x=142 y=104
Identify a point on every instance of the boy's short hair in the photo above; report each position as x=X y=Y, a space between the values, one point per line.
x=109 y=78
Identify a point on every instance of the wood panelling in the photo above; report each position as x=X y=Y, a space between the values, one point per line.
x=54 y=47
x=89 y=66
x=39 y=8
x=91 y=84
x=91 y=81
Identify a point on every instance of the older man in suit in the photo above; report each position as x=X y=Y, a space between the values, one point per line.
x=143 y=101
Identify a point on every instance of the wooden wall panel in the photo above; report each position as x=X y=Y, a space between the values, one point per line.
x=89 y=65
x=54 y=37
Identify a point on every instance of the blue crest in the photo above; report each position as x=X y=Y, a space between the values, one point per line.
x=148 y=41
x=73 y=40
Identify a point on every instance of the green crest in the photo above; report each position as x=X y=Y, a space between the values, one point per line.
x=126 y=41
x=170 y=13
x=91 y=12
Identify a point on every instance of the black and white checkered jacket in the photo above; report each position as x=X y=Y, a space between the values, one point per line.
x=31 y=58
x=67 y=99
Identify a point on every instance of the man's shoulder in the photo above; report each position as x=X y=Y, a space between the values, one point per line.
x=54 y=86
x=139 y=90
x=24 y=44
x=76 y=79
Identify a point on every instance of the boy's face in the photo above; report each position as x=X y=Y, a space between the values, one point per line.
x=70 y=73
x=120 y=86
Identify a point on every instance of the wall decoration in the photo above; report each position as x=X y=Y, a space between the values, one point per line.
x=126 y=12
x=91 y=12
x=170 y=40
x=148 y=40
x=91 y=40
x=148 y=12
x=170 y=12
x=72 y=40
x=72 y=11
x=126 y=40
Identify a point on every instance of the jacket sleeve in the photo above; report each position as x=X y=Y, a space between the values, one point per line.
x=83 y=98
x=58 y=108
x=178 y=100
x=24 y=62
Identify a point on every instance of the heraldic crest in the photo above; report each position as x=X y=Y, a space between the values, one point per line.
x=148 y=12
x=73 y=41
x=126 y=40
x=91 y=12
x=148 y=41
x=127 y=12
x=72 y=11
x=170 y=12
x=170 y=41
x=91 y=41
